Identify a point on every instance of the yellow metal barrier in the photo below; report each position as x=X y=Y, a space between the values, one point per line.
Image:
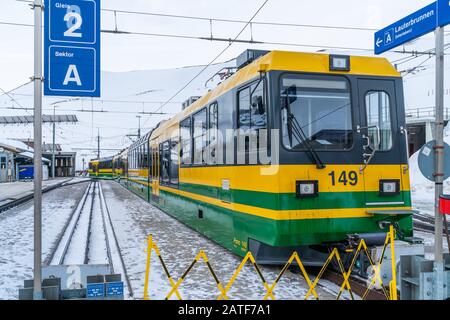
x=361 y=248
x=200 y=255
x=247 y=257
x=151 y=246
x=286 y=266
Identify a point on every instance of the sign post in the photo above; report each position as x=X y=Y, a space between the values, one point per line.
x=439 y=168
x=72 y=48
x=37 y=78
x=71 y=68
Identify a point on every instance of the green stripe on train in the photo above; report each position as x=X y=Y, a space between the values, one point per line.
x=288 y=201
x=223 y=225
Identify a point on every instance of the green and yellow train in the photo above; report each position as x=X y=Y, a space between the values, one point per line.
x=294 y=151
x=101 y=168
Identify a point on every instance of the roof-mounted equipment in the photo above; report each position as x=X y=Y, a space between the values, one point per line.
x=248 y=56
x=190 y=101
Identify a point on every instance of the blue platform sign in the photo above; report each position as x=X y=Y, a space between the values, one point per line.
x=95 y=290
x=72 y=48
x=114 y=289
x=413 y=26
x=444 y=12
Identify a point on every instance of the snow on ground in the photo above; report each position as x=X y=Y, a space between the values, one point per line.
x=16 y=236
x=14 y=190
x=134 y=219
x=428 y=240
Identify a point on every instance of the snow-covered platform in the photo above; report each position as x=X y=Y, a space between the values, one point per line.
x=12 y=191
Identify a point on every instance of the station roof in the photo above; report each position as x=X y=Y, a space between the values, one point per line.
x=30 y=155
x=60 y=118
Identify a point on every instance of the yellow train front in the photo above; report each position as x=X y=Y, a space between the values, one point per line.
x=294 y=151
x=101 y=168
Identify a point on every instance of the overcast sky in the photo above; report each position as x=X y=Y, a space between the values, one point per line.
x=132 y=52
x=121 y=53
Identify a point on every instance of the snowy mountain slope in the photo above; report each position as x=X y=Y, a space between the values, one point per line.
x=122 y=92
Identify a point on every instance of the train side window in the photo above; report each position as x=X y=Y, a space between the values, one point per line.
x=137 y=158
x=146 y=156
x=252 y=107
x=244 y=108
x=199 y=136
x=212 y=132
x=165 y=163
x=174 y=162
x=378 y=114
x=186 y=142
x=141 y=156
x=150 y=162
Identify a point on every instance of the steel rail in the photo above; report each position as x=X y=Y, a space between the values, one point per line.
x=50 y=258
x=105 y=207
x=74 y=227
x=88 y=235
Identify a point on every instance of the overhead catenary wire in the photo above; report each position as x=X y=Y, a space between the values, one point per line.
x=286 y=44
x=411 y=70
x=237 y=21
x=210 y=20
x=212 y=61
x=251 y=41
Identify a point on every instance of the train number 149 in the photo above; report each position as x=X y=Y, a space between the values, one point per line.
x=345 y=177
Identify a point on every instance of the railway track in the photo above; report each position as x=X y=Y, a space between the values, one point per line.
x=89 y=237
x=357 y=285
x=424 y=223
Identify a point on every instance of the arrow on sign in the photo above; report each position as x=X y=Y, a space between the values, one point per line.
x=379 y=41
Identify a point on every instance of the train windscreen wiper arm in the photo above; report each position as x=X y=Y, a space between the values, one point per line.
x=299 y=134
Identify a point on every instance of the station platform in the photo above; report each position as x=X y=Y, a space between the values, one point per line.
x=12 y=191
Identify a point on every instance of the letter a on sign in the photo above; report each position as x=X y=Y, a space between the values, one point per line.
x=72 y=70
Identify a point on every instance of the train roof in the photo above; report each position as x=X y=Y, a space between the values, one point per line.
x=102 y=159
x=284 y=61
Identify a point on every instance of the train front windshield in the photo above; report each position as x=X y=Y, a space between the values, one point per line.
x=316 y=111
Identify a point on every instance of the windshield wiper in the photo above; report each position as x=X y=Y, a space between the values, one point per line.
x=294 y=129
x=298 y=133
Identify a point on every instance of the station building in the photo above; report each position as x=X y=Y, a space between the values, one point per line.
x=16 y=161
x=64 y=161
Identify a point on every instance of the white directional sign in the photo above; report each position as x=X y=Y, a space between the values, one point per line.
x=72 y=48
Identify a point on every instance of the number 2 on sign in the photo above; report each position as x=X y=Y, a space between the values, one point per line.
x=76 y=20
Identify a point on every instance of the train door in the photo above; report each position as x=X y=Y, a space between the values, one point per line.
x=155 y=174
x=384 y=143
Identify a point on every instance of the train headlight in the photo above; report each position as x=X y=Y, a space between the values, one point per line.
x=307 y=189
x=339 y=63
x=389 y=187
